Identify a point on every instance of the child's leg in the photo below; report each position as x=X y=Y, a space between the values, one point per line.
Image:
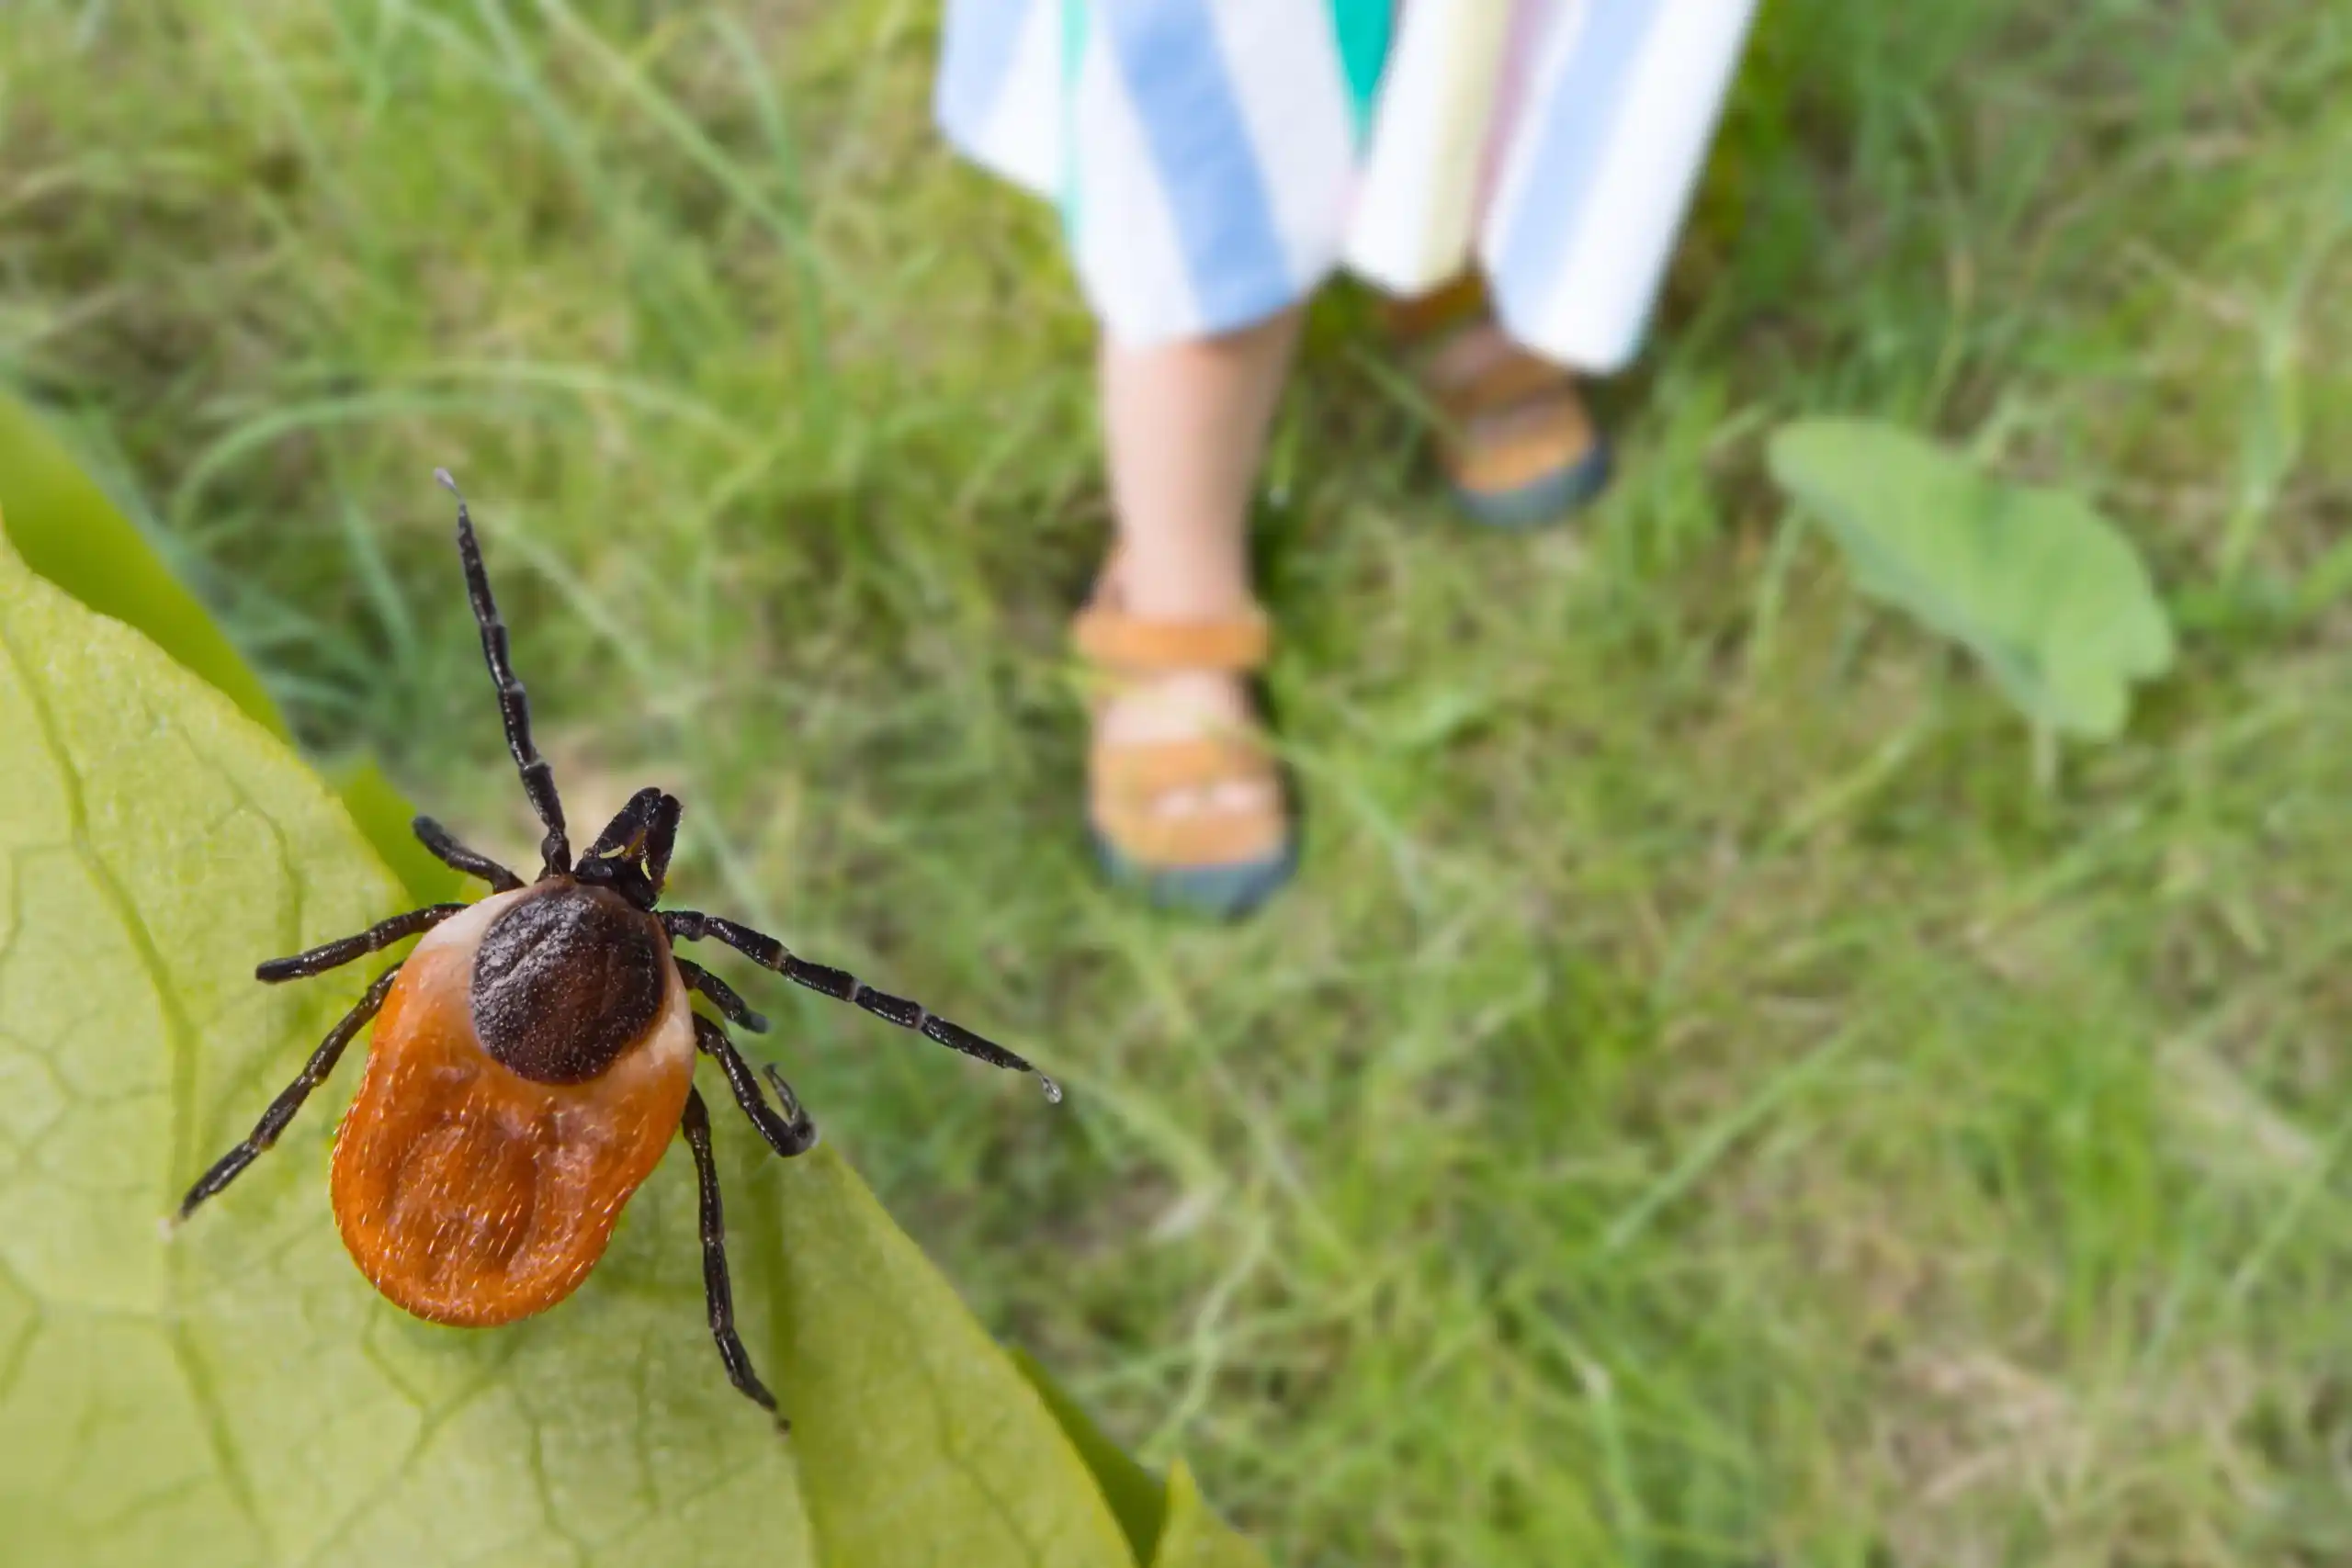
x=1184 y=425
x=1184 y=428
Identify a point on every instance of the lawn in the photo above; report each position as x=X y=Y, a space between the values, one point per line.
x=1703 y=1103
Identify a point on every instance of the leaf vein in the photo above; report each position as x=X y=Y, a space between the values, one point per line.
x=211 y=1414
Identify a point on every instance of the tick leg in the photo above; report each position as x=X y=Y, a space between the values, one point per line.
x=692 y=925
x=722 y=996
x=513 y=706
x=695 y=1123
x=788 y=1134
x=336 y=955
x=289 y=1099
x=445 y=849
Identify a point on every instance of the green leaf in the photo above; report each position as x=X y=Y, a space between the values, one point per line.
x=1197 y=1538
x=1139 y=1502
x=67 y=531
x=384 y=818
x=1169 y=1524
x=918 y=1441
x=2047 y=594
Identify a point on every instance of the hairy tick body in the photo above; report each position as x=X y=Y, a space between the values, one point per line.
x=471 y=1187
x=566 y=978
x=534 y=1055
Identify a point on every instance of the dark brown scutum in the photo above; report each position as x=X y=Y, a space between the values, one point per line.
x=565 y=980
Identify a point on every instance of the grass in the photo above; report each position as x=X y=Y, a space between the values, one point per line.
x=1702 y=1104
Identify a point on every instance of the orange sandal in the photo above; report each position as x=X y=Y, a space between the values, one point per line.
x=1520 y=449
x=1225 y=861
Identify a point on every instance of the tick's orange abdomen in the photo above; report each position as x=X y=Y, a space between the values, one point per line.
x=471 y=1195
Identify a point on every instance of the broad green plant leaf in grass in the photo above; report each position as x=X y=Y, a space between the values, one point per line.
x=67 y=531
x=2048 y=595
x=235 y=1393
x=1193 y=1537
x=1139 y=1502
x=917 y=1438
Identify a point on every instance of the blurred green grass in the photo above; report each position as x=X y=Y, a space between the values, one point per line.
x=1702 y=1104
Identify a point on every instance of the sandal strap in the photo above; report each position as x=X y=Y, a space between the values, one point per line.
x=1544 y=435
x=1193 y=840
x=1426 y=326
x=1144 y=770
x=1121 y=642
x=1425 y=316
x=1133 y=778
x=1504 y=383
x=1129 y=781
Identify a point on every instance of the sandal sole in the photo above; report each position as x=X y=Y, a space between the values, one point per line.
x=1225 y=892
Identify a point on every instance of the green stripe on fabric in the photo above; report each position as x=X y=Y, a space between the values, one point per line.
x=1074 y=25
x=1363 y=28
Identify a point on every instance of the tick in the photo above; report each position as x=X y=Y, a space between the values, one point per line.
x=534 y=1055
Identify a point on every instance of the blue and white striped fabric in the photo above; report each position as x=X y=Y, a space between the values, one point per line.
x=1215 y=161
